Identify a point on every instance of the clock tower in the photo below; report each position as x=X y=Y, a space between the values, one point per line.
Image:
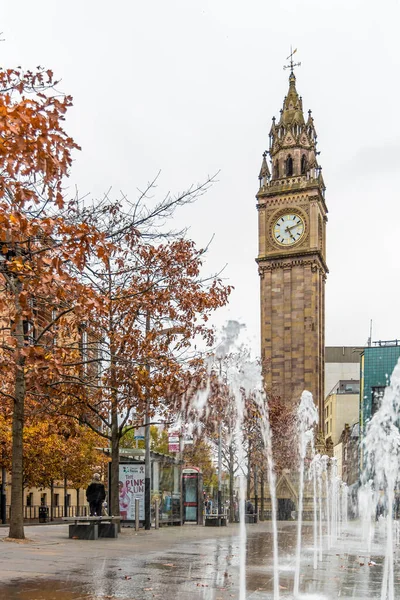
x=291 y=259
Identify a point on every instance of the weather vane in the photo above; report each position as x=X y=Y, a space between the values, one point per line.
x=290 y=57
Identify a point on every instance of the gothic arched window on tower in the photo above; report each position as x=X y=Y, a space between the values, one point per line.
x=303 y=164
x=289 y=166
x=276 y=170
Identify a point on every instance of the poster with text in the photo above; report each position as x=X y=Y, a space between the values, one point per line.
x=173 y=442
x=131 y=486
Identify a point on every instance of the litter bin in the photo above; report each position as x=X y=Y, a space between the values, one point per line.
x=43 y=514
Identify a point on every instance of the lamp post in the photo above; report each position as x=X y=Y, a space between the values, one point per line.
x=219 y=471
x=147 y=467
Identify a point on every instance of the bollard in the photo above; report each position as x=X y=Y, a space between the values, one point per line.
x=156 y=514
x=136 y=514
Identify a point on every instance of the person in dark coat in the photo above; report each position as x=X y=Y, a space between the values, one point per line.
x=95 y=495
x=249 y=508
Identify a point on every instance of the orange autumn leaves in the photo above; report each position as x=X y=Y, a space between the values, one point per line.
x=96 y=315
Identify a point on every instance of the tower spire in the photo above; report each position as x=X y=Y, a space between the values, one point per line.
x=293 y=139
x=292 y=64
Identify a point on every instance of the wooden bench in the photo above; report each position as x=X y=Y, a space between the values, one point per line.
x=92 y=528
x=250 y=518
x=215 y=520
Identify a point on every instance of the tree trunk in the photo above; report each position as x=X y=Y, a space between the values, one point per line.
x=248 y=493
x=17 y=517
x=115 y=437
x=52 y=500
x=114 y=469
x=262 y=496
x=77 y=502
x=3 y=515
x=231 y=483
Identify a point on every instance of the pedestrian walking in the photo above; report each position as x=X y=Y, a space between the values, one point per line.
x=95 y=495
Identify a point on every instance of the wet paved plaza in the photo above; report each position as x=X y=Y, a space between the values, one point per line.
x=189 y=563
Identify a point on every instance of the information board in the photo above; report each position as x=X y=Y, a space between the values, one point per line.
x=131 y=486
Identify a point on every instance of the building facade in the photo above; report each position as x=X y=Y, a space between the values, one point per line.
x=347 y=451
x=291 y=260
x=341 y=363
x=377 y=364
x=341 y=407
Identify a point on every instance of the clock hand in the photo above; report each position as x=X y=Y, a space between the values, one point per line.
x=293 y=226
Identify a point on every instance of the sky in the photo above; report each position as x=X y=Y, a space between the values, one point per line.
x=188 y=88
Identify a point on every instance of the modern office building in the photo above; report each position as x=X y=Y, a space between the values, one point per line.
x=377 y=364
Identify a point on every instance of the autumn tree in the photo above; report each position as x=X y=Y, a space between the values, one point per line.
x=55 y=449
x=199 y=454
x=212 y=409
x=154 y=303
x=158 y=439
x=233 y=398
x=42 y=248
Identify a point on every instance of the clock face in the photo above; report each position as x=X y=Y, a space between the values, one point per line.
x=288 y=229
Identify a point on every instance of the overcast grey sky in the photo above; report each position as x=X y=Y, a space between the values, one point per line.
x=190 y=87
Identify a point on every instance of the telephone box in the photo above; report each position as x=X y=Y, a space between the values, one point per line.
x=192 y=485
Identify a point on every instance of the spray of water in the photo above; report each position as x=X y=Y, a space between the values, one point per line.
x=243 y=378
x=325 y=475
x=314 y=474
x=382 y=464
x=307 y=418
x=267 y=439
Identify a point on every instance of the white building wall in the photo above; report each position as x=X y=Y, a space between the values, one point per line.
x=334 y=372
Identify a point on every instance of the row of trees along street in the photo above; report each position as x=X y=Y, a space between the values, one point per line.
x=99 y=301
x=217 y=421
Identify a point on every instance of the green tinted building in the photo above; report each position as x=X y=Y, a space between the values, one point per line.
x=377 y=364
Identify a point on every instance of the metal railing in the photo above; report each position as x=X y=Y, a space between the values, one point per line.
x=31 y=513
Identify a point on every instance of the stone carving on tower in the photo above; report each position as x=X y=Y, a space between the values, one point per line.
x=292 y=255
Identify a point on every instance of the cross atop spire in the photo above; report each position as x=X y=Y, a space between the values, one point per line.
x=292 y=64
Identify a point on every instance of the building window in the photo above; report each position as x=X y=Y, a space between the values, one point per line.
x=303 y=164
x=29 y=332
x=43 y=499
x=56 y=499
x=377 y=395
x=29 y=499
x=289 y=166
x=277 y=170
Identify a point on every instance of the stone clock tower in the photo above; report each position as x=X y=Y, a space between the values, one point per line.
x=291 y=260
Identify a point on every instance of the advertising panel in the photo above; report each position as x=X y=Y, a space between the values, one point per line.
x=131 y=486
x=173 y=442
